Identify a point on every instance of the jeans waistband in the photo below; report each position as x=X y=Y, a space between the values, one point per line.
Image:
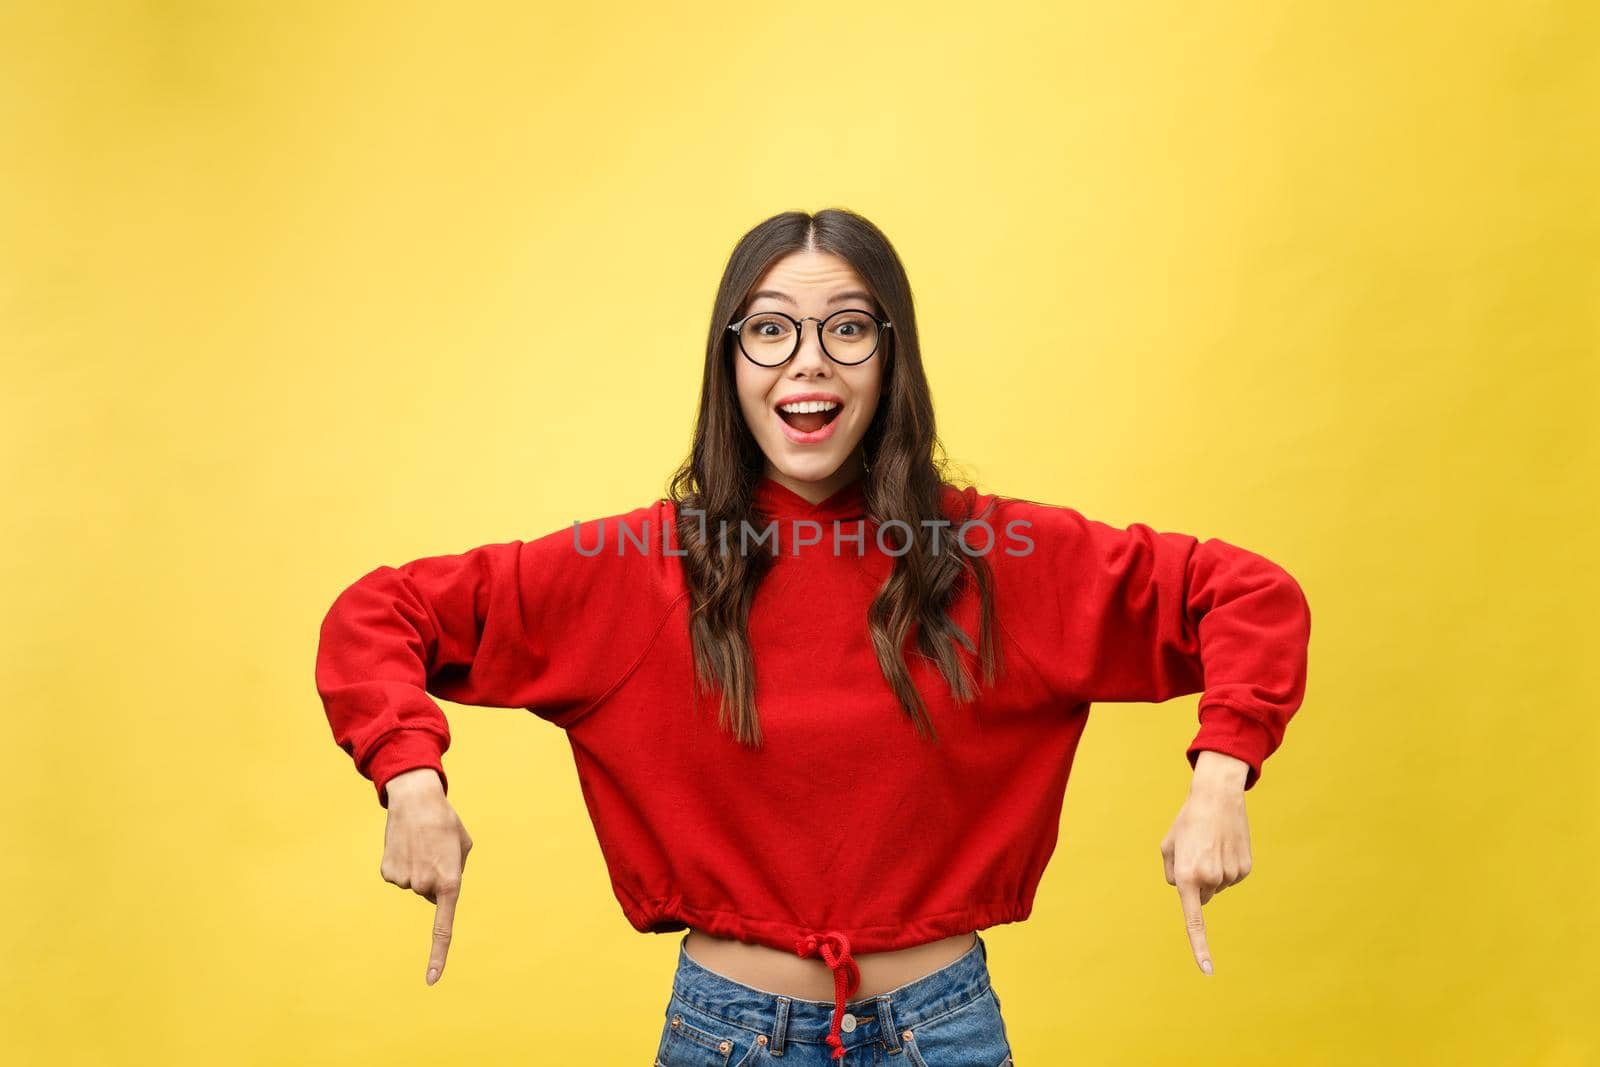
x=785 y=1018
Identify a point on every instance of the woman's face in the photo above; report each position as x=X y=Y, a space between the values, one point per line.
x=808 y=451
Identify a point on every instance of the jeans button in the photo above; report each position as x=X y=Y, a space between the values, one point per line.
x=847 y=1023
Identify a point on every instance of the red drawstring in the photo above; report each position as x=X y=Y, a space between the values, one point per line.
x=834 y=948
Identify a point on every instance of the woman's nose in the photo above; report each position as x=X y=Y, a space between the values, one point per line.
x=810 y=353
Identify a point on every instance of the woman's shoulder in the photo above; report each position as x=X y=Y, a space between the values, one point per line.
x=973 y=503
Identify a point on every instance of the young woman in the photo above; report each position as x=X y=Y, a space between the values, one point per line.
x=822 y=702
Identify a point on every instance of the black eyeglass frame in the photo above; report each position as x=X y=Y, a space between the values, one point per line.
x=737 y=329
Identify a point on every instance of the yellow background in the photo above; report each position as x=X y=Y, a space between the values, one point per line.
x=291 y=290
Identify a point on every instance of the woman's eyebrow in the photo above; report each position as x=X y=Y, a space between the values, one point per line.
x=848 y=294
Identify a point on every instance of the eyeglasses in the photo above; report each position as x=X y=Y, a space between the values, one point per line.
x=770 y=338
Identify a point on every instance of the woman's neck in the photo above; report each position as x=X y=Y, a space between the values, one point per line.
x=816 y=492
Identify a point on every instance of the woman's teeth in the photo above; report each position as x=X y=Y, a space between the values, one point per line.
x=809 y=415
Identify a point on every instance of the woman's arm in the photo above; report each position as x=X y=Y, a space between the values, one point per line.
x=521 y=624
x=451 y=626
x=1133 y=614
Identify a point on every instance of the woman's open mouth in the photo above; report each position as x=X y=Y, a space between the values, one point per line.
x=809 y=421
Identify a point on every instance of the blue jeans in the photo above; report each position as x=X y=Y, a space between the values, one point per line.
x=948 y=1018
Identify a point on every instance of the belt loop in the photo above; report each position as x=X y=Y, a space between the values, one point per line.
x=889 y=1033
x=780 y=1027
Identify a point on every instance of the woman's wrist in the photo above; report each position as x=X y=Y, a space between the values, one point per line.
x=417 y=781
x=1218 y=770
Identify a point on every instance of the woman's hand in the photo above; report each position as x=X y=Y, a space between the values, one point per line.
x=424 y=849
x=1208 y=847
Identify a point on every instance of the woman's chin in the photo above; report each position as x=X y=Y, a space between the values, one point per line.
x=810 y=466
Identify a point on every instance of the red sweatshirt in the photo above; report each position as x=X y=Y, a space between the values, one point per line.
x=846 y=830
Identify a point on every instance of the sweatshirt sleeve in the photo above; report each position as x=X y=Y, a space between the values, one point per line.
x=534 y=624
x=1134 y=614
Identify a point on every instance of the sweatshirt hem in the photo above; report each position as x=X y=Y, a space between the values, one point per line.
x=670 y=914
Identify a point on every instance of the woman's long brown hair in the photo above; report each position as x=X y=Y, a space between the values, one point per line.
x=902 y=481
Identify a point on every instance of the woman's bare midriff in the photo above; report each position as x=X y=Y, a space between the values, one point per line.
x=809 y=978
